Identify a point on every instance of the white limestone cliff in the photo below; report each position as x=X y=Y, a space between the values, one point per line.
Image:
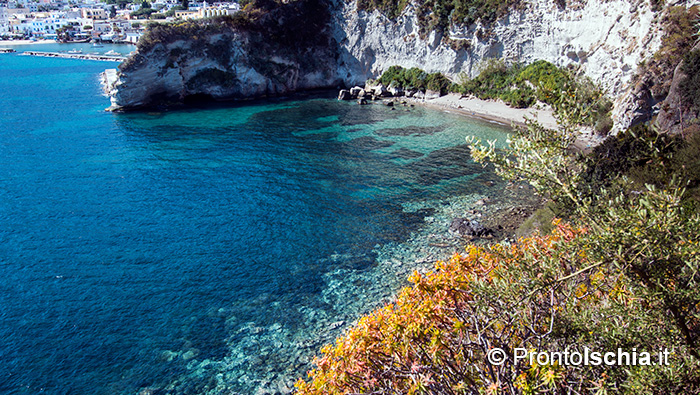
x=607 y=40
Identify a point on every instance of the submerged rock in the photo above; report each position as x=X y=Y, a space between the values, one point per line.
x=467 y=227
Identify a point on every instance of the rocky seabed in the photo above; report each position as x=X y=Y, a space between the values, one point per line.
x=270 y=358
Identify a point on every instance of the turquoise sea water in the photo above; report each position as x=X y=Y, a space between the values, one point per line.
x=190 y=251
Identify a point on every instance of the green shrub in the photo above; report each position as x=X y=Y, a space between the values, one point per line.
x=521 y=86
x=143 y=12
x=438 y=83
x=440 y=14
x=519 y=98
x=415 y=78
x=390 y=8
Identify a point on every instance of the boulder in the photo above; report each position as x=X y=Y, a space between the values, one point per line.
x=362 y=101
x=344 y=95
x=355 y=92
x=467 y=227
x=431 y=94
x=396 y=90
x=380 y=91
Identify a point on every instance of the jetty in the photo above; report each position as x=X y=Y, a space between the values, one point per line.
x=108 y=58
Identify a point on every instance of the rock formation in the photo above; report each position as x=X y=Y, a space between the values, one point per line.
x=229 y=58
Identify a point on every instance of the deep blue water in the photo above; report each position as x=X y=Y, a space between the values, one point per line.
x=125 y=238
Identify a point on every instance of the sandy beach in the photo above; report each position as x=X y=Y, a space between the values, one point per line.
x=499 y=112
x=491 y=110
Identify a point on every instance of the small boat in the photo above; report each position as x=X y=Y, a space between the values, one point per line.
x=75 y=51
x=96 y=45
x=112 y=53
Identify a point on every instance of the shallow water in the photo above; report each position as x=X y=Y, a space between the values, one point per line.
x=197 y=250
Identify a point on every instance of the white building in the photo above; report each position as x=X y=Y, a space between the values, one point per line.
x=94 y=13
x=215 y=11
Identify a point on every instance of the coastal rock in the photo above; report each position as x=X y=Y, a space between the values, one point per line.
x=467 y=227
x=344 y=95
x=355 y=91
x=226 y=61
x=395 y=91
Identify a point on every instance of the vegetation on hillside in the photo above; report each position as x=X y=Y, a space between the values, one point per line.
x=415 y=78
x=439 y=14
x=621 y=273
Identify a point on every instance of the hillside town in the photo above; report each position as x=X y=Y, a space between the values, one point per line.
x=116 y=21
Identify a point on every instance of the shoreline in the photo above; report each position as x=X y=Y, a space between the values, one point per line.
x=498 y=112
x=489 y=110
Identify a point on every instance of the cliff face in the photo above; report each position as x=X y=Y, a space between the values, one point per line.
x=675 y=113
x=606 y=39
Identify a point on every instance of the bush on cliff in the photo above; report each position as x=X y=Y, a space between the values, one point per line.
x=415 y=78
x=623 y=275
x=440 y=14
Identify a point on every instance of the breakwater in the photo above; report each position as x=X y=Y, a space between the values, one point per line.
x=108 y=58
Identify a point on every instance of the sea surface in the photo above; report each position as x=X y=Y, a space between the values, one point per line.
x=208 y=250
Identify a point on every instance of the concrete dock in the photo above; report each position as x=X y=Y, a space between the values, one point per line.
x=107 y=58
